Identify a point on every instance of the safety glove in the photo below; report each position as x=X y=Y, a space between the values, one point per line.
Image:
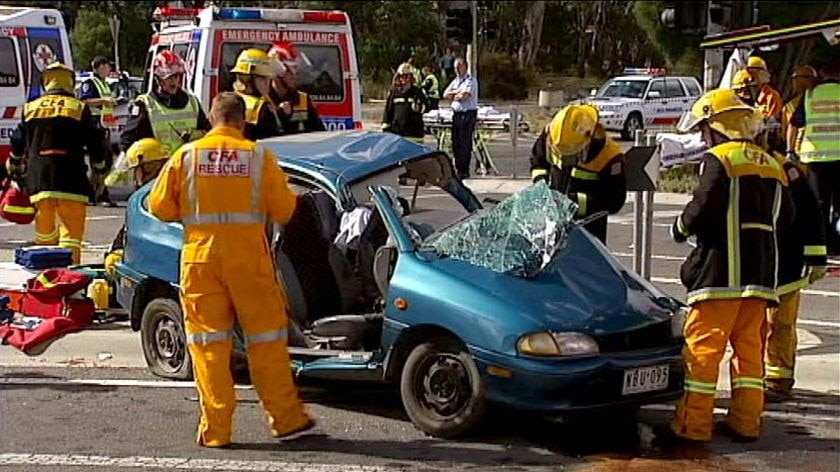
x=816 y=273
x=676 y=235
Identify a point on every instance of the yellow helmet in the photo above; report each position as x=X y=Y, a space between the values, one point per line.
x=144 y=151
x=256 y=62
x=725 y=113
x=756 y=62
x=742 y=80
x=804 y=71
x=58 y=76
x=572 y=128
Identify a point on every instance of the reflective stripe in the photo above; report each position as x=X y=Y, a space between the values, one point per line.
x=168 y=124
x=760 y=226
x=223 y=218
x=821 y=133
x=705 y=388
x=815 y=251
x=777 y=208
x=58 y=196
x=69 y=242
x=748 y=382
x=104 y=91
x=734 y=234
x=413 y=139
x=266 y=337
x=256 y=181
x=47 y=236
x=582 y=200
x=681 y=227
x=27 y=210
x=773 y=372
x=43 y=280
x=727 y=293
x=210 y=337
x=793 y=286
x=581 y=174
x=538 y=173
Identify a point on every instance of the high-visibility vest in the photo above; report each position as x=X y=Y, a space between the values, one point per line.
x=104 y=112
x=253 y=106
x=821 y=139
x=434 y=89
x=169 y=125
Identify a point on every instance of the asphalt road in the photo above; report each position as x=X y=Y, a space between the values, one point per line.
x=57 y=417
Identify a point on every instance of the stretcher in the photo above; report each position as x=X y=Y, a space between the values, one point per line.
x=483 y=158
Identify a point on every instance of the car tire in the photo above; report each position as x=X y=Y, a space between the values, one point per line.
x=631 y=124
x=165 y=341
x=441 y=388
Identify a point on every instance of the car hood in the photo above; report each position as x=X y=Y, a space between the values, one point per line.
x=584 y=288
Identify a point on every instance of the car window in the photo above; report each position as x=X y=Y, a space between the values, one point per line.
x=692 y=87
x=658 y=86
x=623 y=88
x=9 y=76
x=230 y=51
x=673 y=88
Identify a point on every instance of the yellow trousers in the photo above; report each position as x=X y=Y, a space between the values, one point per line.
x=710 y=325
x=71 y=216
x=211 y=293
x=780 y=352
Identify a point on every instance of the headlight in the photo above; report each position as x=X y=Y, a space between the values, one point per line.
x=547 y=344
x=678 y=318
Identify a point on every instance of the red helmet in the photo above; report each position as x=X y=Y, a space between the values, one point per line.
x=167 y=64
x=287 y=54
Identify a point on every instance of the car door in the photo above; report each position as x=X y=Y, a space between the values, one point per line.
x=655 y=101
x=677 y=101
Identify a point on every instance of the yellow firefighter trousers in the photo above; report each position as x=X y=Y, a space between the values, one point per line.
x=780 y=353
x=71 y=215
x=211 y=293
x=709 y=326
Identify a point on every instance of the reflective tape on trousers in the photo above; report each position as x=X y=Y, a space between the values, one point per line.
x=211 y=337
x=267 y=337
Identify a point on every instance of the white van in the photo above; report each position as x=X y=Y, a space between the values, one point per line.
x=210 y=39
x=30 y=38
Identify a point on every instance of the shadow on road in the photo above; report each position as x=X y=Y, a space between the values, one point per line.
x=32 y=380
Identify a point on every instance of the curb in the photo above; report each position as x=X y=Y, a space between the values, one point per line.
x=511 y=185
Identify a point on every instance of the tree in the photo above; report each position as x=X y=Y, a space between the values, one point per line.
x=91 y=37
x=531 y=33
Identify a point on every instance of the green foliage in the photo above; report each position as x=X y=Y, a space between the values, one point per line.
x=681 y=179
x=91 y=37
x=502 y=77
x=679 y=49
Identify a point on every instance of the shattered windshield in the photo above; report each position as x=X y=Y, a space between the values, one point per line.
x=519 y=236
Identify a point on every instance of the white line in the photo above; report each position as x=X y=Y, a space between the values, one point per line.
x=179 y=463
x=778 y=415
x=823 y=324
x=89 y=218
x=105 y=382
x=821 y=293
x=655 y=256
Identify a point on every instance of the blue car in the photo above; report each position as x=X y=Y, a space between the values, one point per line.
x=397 y=273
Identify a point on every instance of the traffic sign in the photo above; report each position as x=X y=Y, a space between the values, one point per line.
x=641 y=167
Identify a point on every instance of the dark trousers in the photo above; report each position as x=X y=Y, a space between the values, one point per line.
x=824 y=178
x=463 y=127
x=432 y=104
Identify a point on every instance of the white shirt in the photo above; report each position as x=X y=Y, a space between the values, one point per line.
x=464 y=84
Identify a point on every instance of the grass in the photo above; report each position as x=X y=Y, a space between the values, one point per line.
x=682 y=179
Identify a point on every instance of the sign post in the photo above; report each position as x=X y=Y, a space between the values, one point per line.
x=642 y=170
x=514 y=134
x=114 y=23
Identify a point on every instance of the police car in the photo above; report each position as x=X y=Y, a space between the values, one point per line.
x=644 y=98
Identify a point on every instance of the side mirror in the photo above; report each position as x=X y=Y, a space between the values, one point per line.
x=654 y=94
x=593 y=92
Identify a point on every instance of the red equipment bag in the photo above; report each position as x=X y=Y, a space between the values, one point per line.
x=52 y=309
x=15 y=205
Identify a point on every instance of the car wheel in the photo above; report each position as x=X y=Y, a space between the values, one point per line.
x=633 y=123
x=164 y=340
x=441 y=388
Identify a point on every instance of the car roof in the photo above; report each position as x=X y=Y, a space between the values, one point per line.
x=345 y=155
x=648 y=77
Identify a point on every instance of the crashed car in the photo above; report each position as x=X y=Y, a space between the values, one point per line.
x=456 y=305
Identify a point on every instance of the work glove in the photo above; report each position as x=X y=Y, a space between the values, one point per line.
x=675 y=232
x=384 y=126
x=816 y=273
x=15 y=166
x=792 y=156
x=540 y=178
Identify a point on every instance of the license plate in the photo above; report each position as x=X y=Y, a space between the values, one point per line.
x=645 y=379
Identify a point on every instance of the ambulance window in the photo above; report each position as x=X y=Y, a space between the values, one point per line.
x=324 y=79
x=230 y=51
x=9 y=76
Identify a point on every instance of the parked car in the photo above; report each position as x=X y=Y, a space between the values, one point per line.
x=489 y=117
x=456 y=305
x=644 y=98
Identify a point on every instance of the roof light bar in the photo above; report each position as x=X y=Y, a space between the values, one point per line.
x=170 y=13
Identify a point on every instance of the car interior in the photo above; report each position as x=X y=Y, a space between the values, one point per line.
x=336 y=294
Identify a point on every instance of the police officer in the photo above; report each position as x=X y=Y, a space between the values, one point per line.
x=741 y=200
x=576 y=157
x=254 y=71
x=96 y=93
x=224 y=189
x=169 y=114
x=57 y=128
x=295 y=108
x=431 y=87
x=404 y=107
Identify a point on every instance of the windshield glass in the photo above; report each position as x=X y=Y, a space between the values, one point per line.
x=519 y=236
x=623 y=88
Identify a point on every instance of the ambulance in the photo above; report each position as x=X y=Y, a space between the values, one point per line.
x=30 y=38
x=210 y=39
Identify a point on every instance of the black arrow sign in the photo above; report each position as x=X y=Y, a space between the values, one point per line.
x=640 y=175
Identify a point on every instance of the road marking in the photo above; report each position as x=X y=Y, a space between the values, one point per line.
x=777 y=415
x=89 y=218
x=821 y=293
x=655 y=256
x=105 y=382
x=179 y=463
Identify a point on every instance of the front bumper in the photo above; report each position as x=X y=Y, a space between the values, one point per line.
x=576 y=385
x=612 y=121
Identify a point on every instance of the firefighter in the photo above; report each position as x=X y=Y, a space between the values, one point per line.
x=169 y=114
x=745 y=87
x=741 y=200
x=818 y=119
x=224 y=189
x=802 y=260
x=431 y=87
x=768 y=99
x=576 y=157
x=804 y=78
x=56 y=130
x=404 y=107
x=144 y=160
x=254 y=70
x=96 y=93
x=295 y=108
